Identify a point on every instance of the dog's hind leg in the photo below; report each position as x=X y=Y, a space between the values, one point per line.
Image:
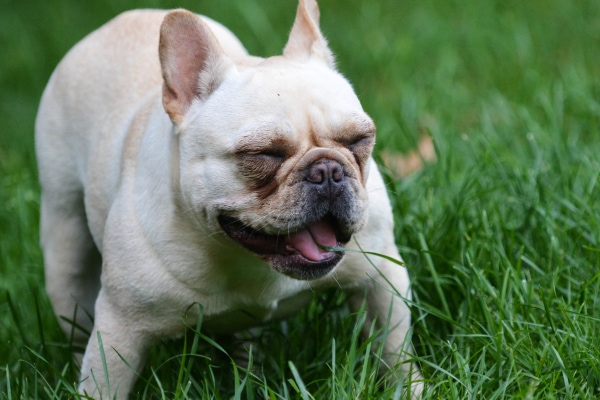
x=72 y=262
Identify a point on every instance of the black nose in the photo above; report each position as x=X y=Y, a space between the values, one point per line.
x=327 y=177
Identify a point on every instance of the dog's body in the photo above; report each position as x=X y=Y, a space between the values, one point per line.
x=210 y=177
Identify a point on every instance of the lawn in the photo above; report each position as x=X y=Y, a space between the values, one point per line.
x=501 y=235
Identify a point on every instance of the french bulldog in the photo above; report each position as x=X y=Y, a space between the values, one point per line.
x=176 y=169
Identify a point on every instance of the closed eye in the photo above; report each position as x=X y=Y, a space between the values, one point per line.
x=275 y=155
x=359 y=142
x=259 y=168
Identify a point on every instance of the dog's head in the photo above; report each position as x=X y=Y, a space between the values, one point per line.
x=274 y=152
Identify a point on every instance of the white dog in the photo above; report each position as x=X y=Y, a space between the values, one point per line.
x=176 y=170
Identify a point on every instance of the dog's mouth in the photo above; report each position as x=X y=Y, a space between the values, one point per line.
x=303 y=254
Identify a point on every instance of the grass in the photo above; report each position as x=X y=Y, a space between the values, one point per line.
x=501 y=236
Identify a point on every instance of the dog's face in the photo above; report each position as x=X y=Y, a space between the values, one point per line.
x=275 y=154
x=288 y=146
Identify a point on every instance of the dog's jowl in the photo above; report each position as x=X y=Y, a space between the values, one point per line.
x=176 y=169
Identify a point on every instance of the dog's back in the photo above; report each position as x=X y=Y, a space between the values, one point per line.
x=115 y=68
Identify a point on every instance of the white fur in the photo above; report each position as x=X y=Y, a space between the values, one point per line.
x=119 y=175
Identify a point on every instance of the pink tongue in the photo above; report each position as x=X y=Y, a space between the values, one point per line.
x=305 y=241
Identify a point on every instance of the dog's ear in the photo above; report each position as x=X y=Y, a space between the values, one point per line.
x=192 y=61
x=306 y=39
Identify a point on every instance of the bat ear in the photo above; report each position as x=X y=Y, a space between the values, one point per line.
x=192 y=61
x=306 y=40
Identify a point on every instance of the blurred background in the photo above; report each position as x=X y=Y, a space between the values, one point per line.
x=407 y=59
x=509 y=91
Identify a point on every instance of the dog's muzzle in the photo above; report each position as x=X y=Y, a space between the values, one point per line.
x=327 y=178
x=308 y=249
x=304 y=254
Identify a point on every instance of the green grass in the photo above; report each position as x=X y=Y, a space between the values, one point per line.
x=501 y=236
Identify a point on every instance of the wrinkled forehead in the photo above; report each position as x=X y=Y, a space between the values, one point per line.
x=302 y=83
x=298 y=97
x=278 y=132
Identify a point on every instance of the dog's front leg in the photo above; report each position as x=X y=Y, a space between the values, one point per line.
x=118 y=346
x=385 y=297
